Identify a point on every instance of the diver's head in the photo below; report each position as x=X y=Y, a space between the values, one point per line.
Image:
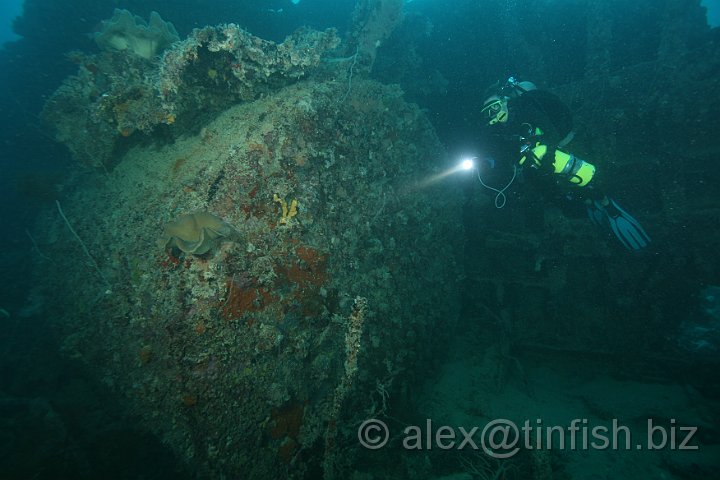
x=495 y=109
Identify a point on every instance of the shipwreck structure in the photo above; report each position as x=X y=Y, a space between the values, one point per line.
x=254 y=264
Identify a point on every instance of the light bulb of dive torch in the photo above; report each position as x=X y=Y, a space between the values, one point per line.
x=467 y=164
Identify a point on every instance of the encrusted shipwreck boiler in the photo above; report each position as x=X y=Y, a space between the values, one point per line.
x=266 y=267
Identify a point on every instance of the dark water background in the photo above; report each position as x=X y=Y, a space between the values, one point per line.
x=466 y=40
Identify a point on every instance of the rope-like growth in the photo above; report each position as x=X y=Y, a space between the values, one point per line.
x=82 y=244
x=353 y=346
x=350 y=73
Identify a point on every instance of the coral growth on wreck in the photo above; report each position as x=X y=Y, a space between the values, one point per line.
x=248 y=359
x=247 y=356
x=118 y=92
x=195 y=233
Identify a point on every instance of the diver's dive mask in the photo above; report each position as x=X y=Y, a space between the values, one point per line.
x=495 y=110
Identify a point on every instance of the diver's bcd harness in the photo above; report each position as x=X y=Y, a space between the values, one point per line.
x=575 y=170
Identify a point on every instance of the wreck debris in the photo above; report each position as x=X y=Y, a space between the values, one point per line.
x=118 y=92
x=252 y=360
x=373 y=22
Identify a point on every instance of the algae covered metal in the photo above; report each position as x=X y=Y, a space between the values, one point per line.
x=274 y=269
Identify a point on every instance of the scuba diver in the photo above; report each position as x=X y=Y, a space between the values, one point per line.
x=538 y=125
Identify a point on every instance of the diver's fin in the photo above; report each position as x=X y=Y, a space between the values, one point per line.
x=628 y=230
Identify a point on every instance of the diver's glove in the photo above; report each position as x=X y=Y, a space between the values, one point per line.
x=628 y=230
